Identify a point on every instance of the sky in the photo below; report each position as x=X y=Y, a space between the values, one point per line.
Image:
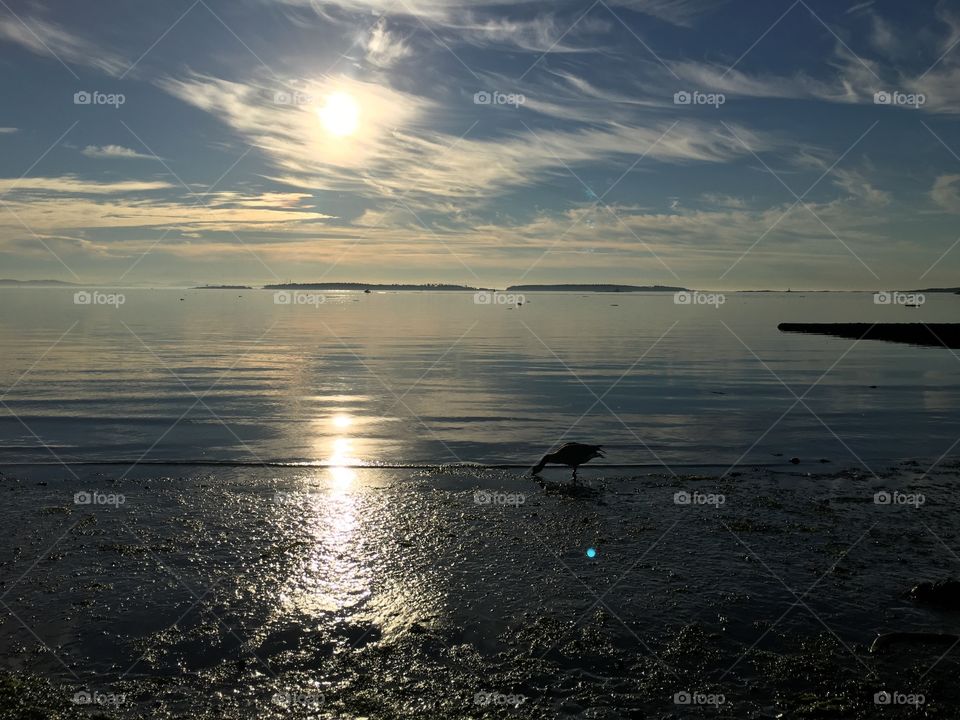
x=715 y=144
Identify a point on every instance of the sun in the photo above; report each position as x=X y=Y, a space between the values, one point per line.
x=340 y=115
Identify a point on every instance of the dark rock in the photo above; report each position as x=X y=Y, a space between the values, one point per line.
x=912 y=638
x=795 y=460
x=927 y=334
x=944 y=593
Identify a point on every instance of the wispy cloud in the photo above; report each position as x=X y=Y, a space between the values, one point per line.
x=227 y=212
x=385 y=48
x=678 y=12
x=395 y=153
x=859 y=7
x=858 y=186
x=115 y=152
x=735 y=83
x=46 y=38
x=946 y=193
x=497 y=183
x=72 y=184
x=540 y=34
x=452 y=12
x=692 y=241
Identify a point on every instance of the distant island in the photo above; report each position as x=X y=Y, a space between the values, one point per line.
x=36 y=283
x=374 y=287
x=223 y=287
x=595 y=288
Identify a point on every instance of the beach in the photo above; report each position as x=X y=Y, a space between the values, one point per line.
x=469 y=592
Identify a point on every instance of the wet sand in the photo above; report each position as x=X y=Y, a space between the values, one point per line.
x=339 y=593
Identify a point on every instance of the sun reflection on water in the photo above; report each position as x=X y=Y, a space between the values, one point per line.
x=333 y=577
x=342 y=420
x=355 y=566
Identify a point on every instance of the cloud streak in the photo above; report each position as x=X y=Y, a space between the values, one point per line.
x=396 y=154
x=73 y=185
x=49 y=39
x=114 y=152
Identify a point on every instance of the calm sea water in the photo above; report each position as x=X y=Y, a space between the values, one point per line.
x=428 y=378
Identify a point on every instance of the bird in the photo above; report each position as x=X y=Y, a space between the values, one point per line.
x=572 y=454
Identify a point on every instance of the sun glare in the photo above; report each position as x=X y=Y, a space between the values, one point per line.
x=340 y=114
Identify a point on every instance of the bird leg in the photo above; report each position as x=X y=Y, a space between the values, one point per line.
x=575 y=475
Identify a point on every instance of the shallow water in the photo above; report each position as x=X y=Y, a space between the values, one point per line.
x=392 y=593
x=433 y=377
x=242 y=589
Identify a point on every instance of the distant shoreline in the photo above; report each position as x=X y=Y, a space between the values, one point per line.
x=223 y=287
x=444 y=287
x=572 y=287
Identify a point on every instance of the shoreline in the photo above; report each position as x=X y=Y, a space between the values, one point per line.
x=406 y=593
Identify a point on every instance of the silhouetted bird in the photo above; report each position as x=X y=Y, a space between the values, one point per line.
x=571 y=454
